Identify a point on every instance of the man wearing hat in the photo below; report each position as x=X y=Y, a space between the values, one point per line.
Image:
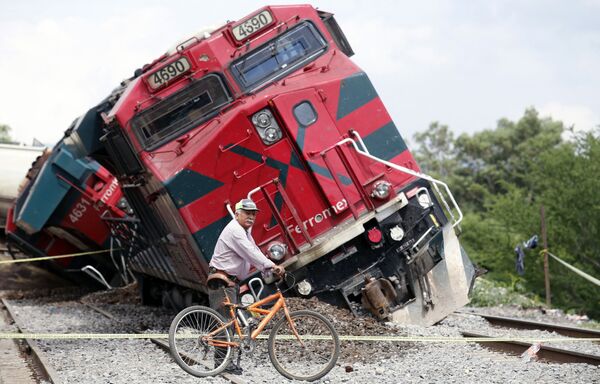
x=234 y=255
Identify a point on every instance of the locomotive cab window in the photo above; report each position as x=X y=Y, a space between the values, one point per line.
x=278 y=57
x=181 y=111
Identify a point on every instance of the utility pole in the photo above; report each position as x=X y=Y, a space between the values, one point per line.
x=546 y=269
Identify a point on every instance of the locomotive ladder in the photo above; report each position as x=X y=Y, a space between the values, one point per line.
x=278 y=218
x=364 y=194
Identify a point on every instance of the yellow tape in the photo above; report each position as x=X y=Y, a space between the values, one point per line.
x=426 y=339
x=54 y=257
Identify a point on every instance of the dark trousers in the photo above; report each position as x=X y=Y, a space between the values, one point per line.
x=216 y=296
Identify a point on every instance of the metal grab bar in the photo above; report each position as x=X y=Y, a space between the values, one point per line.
x=263 y=162
x=229 y=147
x=409 y=171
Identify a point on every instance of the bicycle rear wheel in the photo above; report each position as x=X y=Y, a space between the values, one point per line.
x=312 y=360
x=196 y=356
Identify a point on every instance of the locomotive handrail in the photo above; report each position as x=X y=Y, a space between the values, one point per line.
x=360 y=140
x=225 y=148
x=84 y=192
x=263 y=162
x=400 y=168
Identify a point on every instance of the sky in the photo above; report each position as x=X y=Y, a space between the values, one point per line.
x=462 y=63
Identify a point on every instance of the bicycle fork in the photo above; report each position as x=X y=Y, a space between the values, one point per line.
x=292 y=325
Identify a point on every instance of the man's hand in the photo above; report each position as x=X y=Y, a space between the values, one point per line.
x=278 y=270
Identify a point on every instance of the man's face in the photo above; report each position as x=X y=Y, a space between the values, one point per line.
x=245 y=218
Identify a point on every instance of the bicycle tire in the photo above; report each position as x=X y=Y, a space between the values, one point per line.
x=192 y=321
x=316 y=358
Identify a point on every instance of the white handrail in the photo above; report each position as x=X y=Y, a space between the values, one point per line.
x=228 y=206
x=404 y=170
x=252 y=192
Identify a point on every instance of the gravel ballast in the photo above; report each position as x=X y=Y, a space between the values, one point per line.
x=140 y=361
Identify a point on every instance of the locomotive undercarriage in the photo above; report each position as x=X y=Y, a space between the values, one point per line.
x=392 y=285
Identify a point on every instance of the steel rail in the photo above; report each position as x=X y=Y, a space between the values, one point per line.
x=549 y=354
x=162 y=344
x=46 y=369
x=511 y=322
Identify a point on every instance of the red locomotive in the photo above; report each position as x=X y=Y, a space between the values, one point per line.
x=271 y=107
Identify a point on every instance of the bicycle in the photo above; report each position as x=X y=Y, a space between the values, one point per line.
x=302 y=345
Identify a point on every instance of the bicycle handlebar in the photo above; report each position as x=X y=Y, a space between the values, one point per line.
x=284 y=279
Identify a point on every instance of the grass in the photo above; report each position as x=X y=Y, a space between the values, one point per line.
x=488 y=293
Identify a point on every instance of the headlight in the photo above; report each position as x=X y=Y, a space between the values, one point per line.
x=304 y=288
x=277 y=251
x=381 y=190
x=267 y=126
x=397 y=233
x=423 y=198
x=263 y=119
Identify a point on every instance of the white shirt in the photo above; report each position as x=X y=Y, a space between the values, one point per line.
x=236 y=252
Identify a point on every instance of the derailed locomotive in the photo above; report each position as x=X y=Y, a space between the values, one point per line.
x=59 y=210
x=271 y=107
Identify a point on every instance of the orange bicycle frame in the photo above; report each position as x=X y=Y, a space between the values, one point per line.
x=254 y=308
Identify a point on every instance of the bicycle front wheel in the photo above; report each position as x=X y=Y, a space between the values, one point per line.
x=312 y=357
x=190 y=347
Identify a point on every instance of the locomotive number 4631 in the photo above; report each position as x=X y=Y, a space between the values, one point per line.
x=254 y=24
x=167 y=73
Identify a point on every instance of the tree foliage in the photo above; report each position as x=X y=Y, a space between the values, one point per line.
x=435 y=152
x=5 y=137
x=501 y=177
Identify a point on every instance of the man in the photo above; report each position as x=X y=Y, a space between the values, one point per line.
x=234 y=255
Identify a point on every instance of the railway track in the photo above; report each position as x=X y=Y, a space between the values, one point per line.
x=21 y=360
x=537 y=350
x=544 y=353
x=511 y=322
x=46 y=370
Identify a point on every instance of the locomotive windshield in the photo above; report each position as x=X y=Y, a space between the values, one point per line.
x=281 y=55
x=181 y=111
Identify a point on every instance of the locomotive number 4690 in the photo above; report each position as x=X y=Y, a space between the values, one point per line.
x=252 y=25
x=168 y=72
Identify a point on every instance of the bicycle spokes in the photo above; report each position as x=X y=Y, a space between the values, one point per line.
x=199 y=341
x=310 y=358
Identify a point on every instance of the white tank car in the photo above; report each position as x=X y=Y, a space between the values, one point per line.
x=15 y=161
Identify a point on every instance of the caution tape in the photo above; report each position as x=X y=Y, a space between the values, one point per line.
x=422 y=339
x=589 y=278
x=55 y=257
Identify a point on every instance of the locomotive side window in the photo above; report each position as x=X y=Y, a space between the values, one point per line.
x=181 y=111
x=305 y=114
x=279 y=56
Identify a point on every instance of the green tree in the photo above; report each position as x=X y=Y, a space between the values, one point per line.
x=435 y=150
x=564 y=178
x=568 y=179
x=492 y=160
x=5 y=137
x=500 y=178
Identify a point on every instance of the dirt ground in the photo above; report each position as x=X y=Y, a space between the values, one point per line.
x=27 y=276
